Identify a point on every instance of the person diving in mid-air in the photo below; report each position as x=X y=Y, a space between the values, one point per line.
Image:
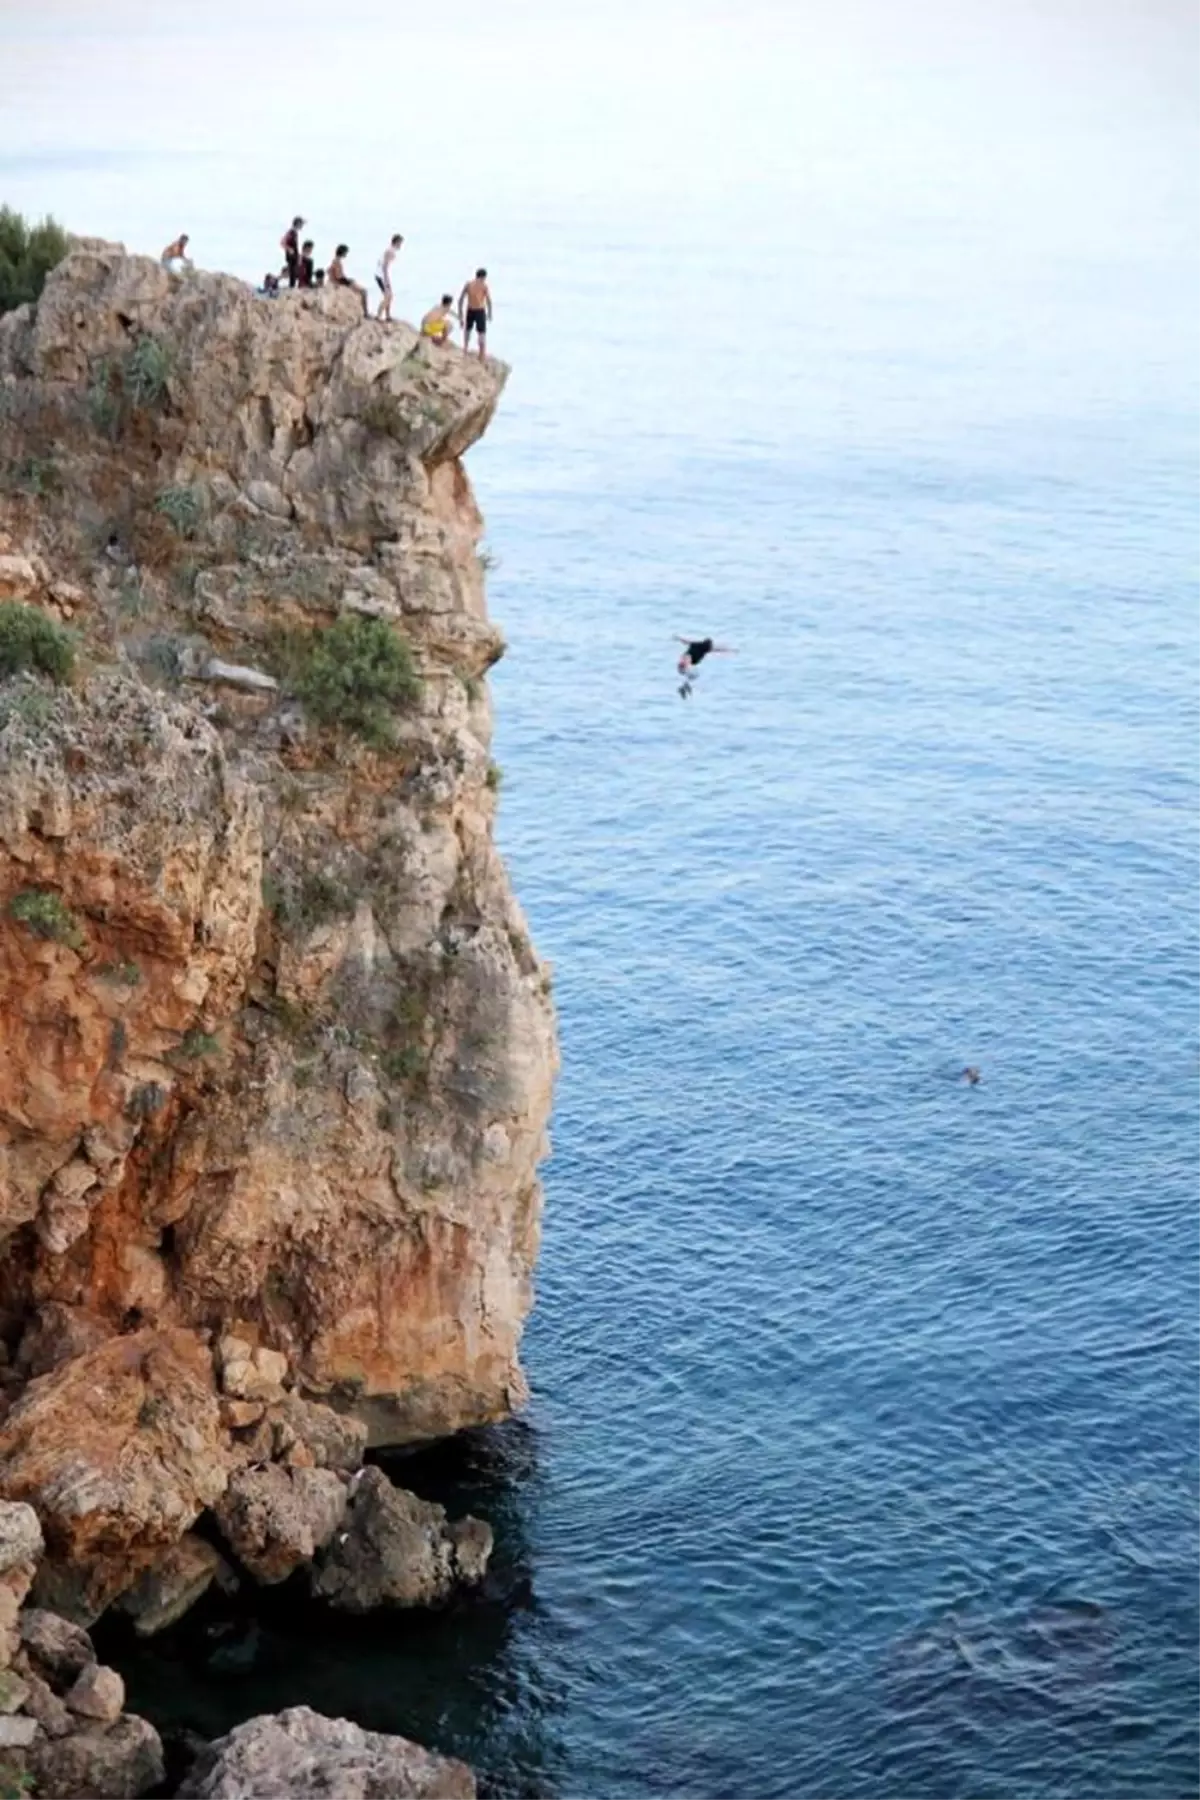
x=694 y=654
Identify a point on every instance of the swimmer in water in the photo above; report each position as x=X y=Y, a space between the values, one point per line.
x=696 y=649
x=971 y=1076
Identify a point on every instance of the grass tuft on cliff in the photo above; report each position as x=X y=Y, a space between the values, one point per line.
x=27 y=255
x=30 y=639
x=45 y=915
x=356 y=674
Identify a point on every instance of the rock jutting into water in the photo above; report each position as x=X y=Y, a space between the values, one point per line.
x=287 y=1755
x=65 y=1734
x=277 y=1050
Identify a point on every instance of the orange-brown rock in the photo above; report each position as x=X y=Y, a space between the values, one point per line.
x=276 y=1051
x=120 y=1450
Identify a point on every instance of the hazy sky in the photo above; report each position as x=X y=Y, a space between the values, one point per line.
x=558 y=98
x=948 y=182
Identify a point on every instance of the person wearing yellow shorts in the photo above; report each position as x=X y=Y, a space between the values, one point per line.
x=438 y=321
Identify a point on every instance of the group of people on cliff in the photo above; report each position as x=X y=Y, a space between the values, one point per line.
x=473 y=311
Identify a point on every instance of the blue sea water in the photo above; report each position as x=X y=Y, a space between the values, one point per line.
x=866 y=1401
x=862 y=1459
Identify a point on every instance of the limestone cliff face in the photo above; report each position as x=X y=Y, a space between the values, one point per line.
x=279 y=1060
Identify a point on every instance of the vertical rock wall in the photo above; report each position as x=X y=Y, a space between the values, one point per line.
x=276 y=1052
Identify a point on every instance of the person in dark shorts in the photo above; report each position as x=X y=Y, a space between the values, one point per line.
x=474 y=311
x=694 y=654
x=289 y=243
x=304 y=276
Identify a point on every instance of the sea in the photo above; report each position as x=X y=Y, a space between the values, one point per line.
x=862 y=1455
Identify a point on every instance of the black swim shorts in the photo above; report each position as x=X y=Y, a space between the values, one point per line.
x=477 y=319
x=293 y=267
x=380 y=285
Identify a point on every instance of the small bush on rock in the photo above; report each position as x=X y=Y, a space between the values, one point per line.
x=355 y=674
x=31 y=639
x=147 y=372
x=27 y=255
x=103 y=405
x=314 y=899
x=403 y=1064
x=183 y=506
x=32 y=708
x=35 y=475
x=46 y=916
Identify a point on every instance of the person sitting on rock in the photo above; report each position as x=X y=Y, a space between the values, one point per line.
x=304 y=277
x=339 y=278
x=439 y=321
x=176 y=252
x=270 y=286
x=319 y=278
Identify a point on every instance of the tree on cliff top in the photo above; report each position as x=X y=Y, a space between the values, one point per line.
x=27 y=255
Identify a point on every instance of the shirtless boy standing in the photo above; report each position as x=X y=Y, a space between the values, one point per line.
x=476 y=299
x=383 y=277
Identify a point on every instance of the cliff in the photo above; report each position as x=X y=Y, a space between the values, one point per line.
x=277 y=1052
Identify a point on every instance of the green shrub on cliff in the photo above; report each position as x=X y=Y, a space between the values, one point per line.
x=30 y=639
x=27 y=255
x=357 y=673
x=183 y=506
x=147 y=372
x=45 y=915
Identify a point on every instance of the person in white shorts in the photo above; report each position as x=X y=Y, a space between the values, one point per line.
x=383 y=277
x=176 y=254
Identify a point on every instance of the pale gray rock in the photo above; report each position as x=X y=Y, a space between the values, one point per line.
x=276 y=1518
x=17 y=1733
x=20 y=1536
x=334 y=1440
x=115 y=1762
x=239 y=675
x=301 y=1755
x=398 y=1550
x=43 y=1704
x=97 y=1693
x=61 y=1648
x=250 y=1372
x=20 y=1548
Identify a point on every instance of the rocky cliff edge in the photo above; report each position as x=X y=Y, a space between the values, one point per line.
x=277 y=1052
